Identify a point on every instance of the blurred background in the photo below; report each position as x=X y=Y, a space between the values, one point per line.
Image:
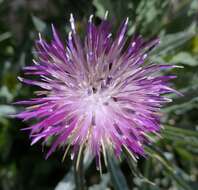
x=172 y=163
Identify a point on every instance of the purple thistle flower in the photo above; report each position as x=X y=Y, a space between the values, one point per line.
x=98 y=95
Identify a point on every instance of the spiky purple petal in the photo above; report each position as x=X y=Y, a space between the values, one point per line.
x=98 y=94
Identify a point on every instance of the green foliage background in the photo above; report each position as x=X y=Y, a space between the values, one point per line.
x=172 y=161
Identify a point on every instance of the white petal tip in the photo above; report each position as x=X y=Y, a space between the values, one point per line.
x=40 y=37
x=20 y=79
x=127 y=20
x=106 y=15
x=70 y=35
x=179 y=66
x=72 y=22
x=91 y=18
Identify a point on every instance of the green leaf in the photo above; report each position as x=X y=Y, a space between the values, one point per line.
x=5 y=110
x=184 y=132
x=172 y=41
x=184 y=58
x=116 y=9
x=100 y=7
x=181 y=104
x=170 y=169
x=5 y=36
x=181 y=136
x=185 y=155
x=193 y=7
x=134 y=169
x=6 y=139
x=39 y=24
x=5 y=93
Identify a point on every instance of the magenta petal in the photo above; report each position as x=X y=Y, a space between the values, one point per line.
x=96 y=93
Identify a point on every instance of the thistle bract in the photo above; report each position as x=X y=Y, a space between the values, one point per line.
x=98 y=94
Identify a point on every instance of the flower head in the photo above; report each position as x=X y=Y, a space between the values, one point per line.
x=97 y=94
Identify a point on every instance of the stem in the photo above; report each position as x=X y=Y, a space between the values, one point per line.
x=79 y=173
